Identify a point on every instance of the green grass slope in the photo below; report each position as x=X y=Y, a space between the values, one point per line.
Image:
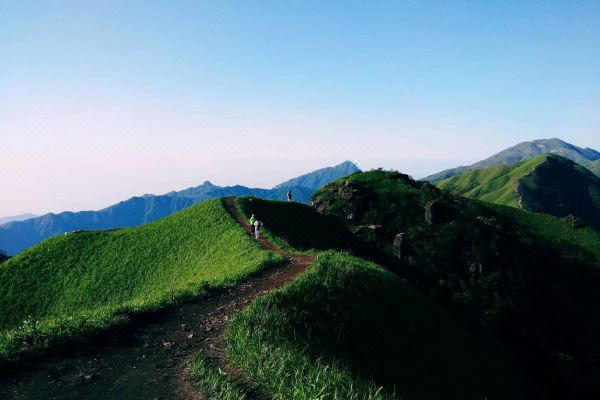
x=528 y=280
x=495 y=184
x=549 y=184
x=595 y=167
x=295 y=226
x=349 y=329
x=79 y=282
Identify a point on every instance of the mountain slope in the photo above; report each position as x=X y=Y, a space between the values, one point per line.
x=81 y=281
x=22 y=217
x=528 y=280
x=595 y=167
x=354 y=330
x=321 y=177
x=548 y=184
x=526 y=151
x=17 y=236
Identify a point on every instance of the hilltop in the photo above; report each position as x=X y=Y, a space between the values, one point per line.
x=18 y=235
x=525 y=279
x=547 y=184
x=587 y=157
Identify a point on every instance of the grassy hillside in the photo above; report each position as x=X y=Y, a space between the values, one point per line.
x=496 y=184
x=295 y=226
x=82 y=281
x=349 y=329
x=549 y=184
x=595 y=167
x=529 y=280
x=527 y=151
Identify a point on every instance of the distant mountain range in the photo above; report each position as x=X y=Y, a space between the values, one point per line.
x=21 y=217
x=548 y=184
x=317 y=179
x=587 y=157
x=16 y=236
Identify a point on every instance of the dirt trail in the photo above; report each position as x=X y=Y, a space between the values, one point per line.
x=146 y=359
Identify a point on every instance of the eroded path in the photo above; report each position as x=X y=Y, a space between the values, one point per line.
x=147 y=358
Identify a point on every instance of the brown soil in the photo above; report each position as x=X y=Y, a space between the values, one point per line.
x=147 y=358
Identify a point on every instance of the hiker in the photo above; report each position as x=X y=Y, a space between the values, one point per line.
x=252 y=221
x=257 y=226
x=289 y=195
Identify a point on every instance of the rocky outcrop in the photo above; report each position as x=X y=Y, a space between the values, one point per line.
x=400 y=246
x=433 y=212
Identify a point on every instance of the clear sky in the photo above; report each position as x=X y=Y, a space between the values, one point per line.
x=103 y=100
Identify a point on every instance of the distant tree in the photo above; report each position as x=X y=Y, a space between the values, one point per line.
x=3 y=256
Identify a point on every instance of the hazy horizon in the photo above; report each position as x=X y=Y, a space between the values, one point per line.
x=101 y=102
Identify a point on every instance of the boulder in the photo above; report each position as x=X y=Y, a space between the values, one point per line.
x=399 y=246
x=433 y=212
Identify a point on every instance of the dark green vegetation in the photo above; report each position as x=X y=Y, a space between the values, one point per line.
x=212 y=383
x=77 y=283
x=548 y=184
x=18 y=235
x=589 y=158
x=3 y=256
x=349 y=329
x=528 y=281
x=296 y=226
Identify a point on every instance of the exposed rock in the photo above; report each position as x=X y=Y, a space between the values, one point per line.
x=577 y=223
x=489 y=221
x=367 y=232
x=399 y=245
x=346 y=192
x=321 y=206
x=433 y=211
x=476 y=269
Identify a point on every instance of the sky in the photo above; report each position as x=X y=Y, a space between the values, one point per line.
x=103 y=100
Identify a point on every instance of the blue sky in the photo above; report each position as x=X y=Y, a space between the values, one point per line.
x=103 y=100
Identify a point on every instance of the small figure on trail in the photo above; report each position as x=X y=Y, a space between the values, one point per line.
x=252 y=221
x=257 y=226
x=289 y=195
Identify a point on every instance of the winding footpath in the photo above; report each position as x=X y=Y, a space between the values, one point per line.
x=147 y=358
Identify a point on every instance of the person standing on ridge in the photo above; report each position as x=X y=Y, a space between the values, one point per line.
x=252 y=221
x=257 y=226
x=289 y=195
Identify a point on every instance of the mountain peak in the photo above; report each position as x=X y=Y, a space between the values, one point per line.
x=319 y=178
x=526 y=151
x=549 y=184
